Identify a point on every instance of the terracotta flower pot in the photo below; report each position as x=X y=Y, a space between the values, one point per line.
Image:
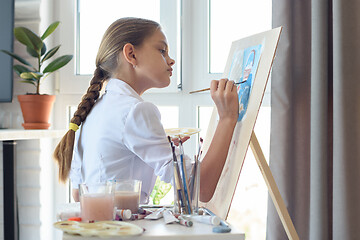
x=36 y=110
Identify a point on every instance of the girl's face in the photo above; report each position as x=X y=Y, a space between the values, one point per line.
x=154 y=65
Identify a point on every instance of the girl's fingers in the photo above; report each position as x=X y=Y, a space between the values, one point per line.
x=218 y=85
x=176 y=140
x=222 y=84
x=213 y=86
x=229 y=86
x=183 y=139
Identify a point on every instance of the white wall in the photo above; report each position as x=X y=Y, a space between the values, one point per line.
x=37 y=188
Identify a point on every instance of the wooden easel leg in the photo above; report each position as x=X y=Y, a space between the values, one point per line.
x=273 y=189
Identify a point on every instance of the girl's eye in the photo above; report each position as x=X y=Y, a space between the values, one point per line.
x=162 y=51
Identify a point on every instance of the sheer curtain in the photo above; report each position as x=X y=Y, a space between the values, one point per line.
x=315 y=123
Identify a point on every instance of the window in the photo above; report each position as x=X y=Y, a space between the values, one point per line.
x=231 y=20
x=204 y=115
x=88 y=40
x=199 y=33
x=86 y=24
x=169 y=116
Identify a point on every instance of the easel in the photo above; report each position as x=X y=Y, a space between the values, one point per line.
x=273 y=189
x=244 y=131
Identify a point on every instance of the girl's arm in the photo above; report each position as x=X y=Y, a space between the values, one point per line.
x=75 y=194
x=224 y=94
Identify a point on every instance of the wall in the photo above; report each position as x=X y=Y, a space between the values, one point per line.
x=37 y=188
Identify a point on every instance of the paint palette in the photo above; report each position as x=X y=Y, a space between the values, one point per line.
x=181 y=132
x=99 y=229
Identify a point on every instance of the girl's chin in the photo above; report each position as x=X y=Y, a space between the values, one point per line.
x=164 y=84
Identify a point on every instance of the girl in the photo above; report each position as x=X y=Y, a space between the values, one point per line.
x=122 y=136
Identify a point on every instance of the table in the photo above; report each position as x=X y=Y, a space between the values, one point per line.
x=157 y=229
x=8 y=138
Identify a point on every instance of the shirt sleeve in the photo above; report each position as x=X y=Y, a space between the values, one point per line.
x=75 y=171
x=145 y=136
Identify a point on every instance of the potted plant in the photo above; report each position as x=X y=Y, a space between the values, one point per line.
x=36 y=107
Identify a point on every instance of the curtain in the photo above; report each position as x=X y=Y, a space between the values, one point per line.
x=315 y=119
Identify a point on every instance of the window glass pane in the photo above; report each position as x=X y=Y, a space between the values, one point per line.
x=204 y=115
x=231 y=20
x=71 y=111
x=169 y=119
x=169 y=116
x=95 y=16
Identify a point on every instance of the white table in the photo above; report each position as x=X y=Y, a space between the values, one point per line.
x=8 y=138
x=157 y=229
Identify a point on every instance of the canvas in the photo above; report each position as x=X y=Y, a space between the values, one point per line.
x=250 y=60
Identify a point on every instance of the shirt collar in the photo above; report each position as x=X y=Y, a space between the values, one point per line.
x=122 y=88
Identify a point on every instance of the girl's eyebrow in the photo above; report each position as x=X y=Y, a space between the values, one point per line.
x=163 y=42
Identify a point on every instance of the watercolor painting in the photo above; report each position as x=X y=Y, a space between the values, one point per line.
x=236 y=68
x=243 y=68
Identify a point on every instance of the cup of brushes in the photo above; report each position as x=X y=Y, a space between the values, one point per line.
x=186 y=185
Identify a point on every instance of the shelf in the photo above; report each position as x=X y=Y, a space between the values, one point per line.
x=21 y=134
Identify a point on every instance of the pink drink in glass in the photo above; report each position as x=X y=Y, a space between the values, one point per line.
x=97 y=207
x=127 y=200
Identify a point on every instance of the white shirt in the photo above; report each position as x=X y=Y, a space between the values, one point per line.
x=122 y=138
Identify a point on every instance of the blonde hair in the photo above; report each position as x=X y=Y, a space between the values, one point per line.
x=119 y=33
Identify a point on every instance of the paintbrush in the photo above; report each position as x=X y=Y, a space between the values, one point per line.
x=207 y=89
x=184 y=178
x=178 y=183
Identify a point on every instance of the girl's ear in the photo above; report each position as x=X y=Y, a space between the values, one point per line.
x=129 y=54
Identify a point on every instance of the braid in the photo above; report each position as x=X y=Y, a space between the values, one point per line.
x=64 y=151
x=92 y=94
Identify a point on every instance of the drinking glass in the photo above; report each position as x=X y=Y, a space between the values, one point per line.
x=127 y=194
x=97 y=201
x=186 y=193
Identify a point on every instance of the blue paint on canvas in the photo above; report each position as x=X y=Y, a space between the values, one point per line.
x=243 y=68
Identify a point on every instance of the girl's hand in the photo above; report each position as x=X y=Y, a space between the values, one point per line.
x=224 y=94
x=176 y=141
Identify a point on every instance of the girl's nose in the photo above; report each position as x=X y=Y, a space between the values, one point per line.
x=171 y=62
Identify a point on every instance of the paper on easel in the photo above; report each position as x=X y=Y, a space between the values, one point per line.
x=250 y=97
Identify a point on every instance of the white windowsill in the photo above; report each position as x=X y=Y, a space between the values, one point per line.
x=21 y=134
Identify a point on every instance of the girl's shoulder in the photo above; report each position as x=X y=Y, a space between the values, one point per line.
x=145 y=108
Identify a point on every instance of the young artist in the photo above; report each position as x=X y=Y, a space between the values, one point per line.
x=121 y=135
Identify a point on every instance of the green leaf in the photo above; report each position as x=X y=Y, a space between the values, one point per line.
x=50 y=53
x=29 y=81
x=58 y=63
x=43 y=49
x=50 y=30
x=17 y=57
x=19 y=69
x=28 y=38
x=159 y=191
x=26 y=75
x=32 y=52
x=31 y=75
